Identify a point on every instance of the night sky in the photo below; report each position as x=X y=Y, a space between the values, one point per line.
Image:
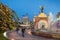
x=31 y=7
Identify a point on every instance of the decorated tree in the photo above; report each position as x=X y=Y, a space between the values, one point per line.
x=6 y=21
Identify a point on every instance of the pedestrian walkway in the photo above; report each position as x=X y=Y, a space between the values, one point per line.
x=14 y=36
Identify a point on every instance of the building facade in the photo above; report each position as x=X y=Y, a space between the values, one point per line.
x=41 y=21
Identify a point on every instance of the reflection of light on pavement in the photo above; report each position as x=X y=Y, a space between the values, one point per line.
x=12 y=39
x=29 y=32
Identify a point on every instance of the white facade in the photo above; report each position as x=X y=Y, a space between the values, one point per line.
x=25 y=20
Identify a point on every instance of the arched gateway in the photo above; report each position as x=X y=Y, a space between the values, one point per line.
x=42 y=24
x=41 y=21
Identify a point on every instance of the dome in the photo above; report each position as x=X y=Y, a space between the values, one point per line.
x=42 y=14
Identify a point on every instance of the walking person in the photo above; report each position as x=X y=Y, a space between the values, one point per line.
x=17 y=29
x=23 y=30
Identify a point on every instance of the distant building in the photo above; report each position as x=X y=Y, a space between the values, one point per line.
x=25 y=20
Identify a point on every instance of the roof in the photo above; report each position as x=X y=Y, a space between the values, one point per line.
x=42 y=14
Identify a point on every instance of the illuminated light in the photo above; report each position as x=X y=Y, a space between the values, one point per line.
x=42 y=15
x=40 y=23
x=12 y=39
x=5 y=34
x=29 y=32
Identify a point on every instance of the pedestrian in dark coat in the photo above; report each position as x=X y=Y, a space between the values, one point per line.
x=23 y=30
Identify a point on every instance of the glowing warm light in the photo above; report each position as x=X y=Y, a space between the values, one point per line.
x=29 y=32
x=45 y=23
x=12 y=39
x=42 y=15
x=24 y=25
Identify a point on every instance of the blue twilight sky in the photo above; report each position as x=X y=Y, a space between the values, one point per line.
x=33 y=6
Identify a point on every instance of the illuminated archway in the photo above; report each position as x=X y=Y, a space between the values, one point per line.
x=42 y=24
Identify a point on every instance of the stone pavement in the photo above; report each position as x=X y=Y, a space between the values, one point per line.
x=14 y=36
